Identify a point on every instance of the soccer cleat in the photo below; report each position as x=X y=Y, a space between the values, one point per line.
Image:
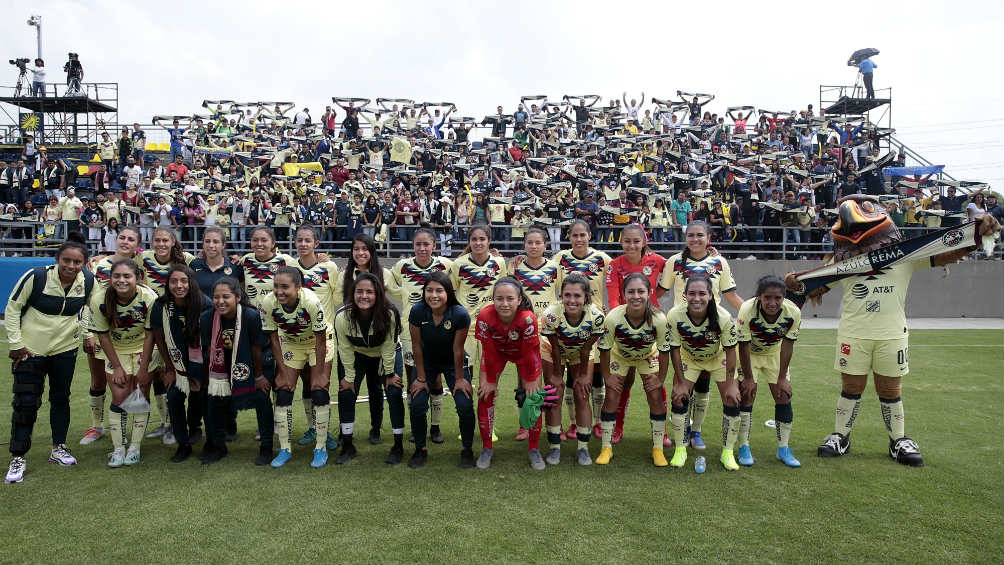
x=582 y=457
x=92 y=435
x=467 y=459
x=375 y=437
x=485 y=459
x=745 y=456
x=330 y=443
x=320 y=458
x=522 y=434
x=905 y=451
x=784 y=456
x=835 y=445
x=572 y=431
x=658 y=457
x=606 y=454
x=618 y=435
x=536 y=461
x=597 y=431
x=395 y=456
x=159 y=431
x=348 y=453
x=418 y=459
x=183 y=452
x=132 y=456
x=696 y=441
x=169 y=438
x=282 y=458
x=436 y=435
x=62 y=456
x=264 y=457
x=308 y=438
x=679 y=457
x=729 y=460
x=15 y=473
x=117 y=458
x=553 y=456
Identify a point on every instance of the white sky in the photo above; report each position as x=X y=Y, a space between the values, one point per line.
x=942 y=59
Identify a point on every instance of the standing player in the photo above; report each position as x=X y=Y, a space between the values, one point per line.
x=768 y=326
x=703 y=340
x=634 y=340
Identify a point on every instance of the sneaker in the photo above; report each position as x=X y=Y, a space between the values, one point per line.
x=92 y=435
x=15 y=473
x=659 y=457
x=348 y=453
x=618 y=435
x=745 y=456
x=331 y=444
x=308 y=437
x=183 y=452
x=159 y=431
x=553 y=456
x=785 y=456
x=679 y=457
x=320 y=458
x=905 y=451
x=729 y=460
x=132 y=456
x=395 y=456
x=696 y=441
x=522 y=434
x=168 y=438
x=282 y=458
x=375 y=437
x=418 y=459
x=573 y=431
x=597 y=431
x=467 y=459
x=485 y=459
x=62 y=456
x=196 y=437
x=834 y=445
x=436 y=435
x=264 y=457
x=606 y=454
x=536 y=461
x=117 y=458
x=582 y=457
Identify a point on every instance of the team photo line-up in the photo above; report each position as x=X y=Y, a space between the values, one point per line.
x=214 y=334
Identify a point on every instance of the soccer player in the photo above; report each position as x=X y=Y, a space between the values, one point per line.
x=438 y=326
x=293 y=318
x=703 y=339
x=507 y=331
x=126 y=243
x=367 y=330
x=638 y=257
x=261 y=265
x=634 y=340
x=121 y=320
x=768 y=326
x=43 y=331
x=570 y=329
x=698 y=259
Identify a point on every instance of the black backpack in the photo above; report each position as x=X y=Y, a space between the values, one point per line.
x=39 y=275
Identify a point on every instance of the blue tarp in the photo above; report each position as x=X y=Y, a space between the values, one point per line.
x=911 y=171
x=11 y=269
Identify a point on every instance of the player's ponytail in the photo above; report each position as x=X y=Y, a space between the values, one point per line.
x=524 y=300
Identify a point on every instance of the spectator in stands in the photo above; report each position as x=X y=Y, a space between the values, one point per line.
x=952 y=204
x=138 y=144
x=177 y=166
x=994 y=209
x=124 y=150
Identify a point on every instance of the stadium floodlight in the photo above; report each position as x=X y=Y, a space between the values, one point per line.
x=36 y=21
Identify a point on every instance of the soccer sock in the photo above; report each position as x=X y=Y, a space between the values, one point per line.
x=348 y=428
x=622 y=409
x=533 y=442
x=847 y=410
x=678 y=423
x=599 y=397
x=570 y=404
x=730 y=426
x=308 y=412
x=117 y=422
x=139 y=422
x=554 y=436
x=893 y=416
x=398 y=438
x=745 y=423
x=782 y=423
x=161 y=400
x=322 y=417
x=486 y=419
x=97 y=401
x=284 y=421
x=607 y=420
x=700 y=410
x=435 y=409
x=658 y=422
x=583 y=439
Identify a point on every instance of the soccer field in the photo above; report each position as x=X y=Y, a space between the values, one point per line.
x=860 y=508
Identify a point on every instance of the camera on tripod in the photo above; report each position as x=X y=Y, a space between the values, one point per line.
x=21 y=63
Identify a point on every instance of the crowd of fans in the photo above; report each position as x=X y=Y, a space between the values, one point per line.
x=768 y=180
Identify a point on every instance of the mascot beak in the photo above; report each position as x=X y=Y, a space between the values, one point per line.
x=858 y=219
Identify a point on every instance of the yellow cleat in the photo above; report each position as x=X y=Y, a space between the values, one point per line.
x=729 y=460
x=679 y=457
x=606 y=454
x=658 y=457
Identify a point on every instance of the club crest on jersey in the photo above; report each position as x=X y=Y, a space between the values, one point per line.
x=646 y=270
x=228 y=271
x=513 y=335
x=447 y=324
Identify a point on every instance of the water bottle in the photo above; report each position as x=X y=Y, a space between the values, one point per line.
x=700 y=465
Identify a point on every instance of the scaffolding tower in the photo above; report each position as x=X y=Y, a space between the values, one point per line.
x=57 y=118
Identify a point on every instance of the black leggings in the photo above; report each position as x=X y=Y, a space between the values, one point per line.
x=465 y=406
x=368 y=368
x=29 y=384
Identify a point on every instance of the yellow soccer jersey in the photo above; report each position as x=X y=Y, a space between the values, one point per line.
x=572 y=337
x=258 y=275
x=678 y=270
x=351 y=339
x=700 y=341
x=474 y=281
x=389 y=285
x=131 y=320
x=764 y=336
x=322 y=278
x=633 y=343
x=593 y=266
x=102 y=270
x=298 y=326
x=409 y=278
x=155 y=272
x=873 y=305
x=540 y=284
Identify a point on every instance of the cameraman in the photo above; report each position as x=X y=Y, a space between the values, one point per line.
x=38 y=81
x=74 y=73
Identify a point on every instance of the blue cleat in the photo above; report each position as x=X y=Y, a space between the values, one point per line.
x=745 y=456
x=696 y=441
x=308 y=437
x=784 y=456
x=282 y=458
x=331 y=444
x=320 y=458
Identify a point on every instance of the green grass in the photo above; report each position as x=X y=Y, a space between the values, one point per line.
x=860 y=508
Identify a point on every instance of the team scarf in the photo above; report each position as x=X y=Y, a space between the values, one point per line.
x=872 y=262
x=238 y=384
x=173 y=351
